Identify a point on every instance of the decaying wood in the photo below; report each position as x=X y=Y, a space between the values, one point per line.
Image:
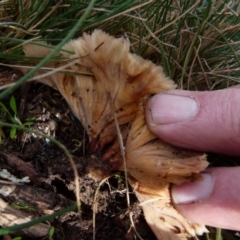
x=10 y=216
x=25 y=168
x=43 y=201
x=118 y=83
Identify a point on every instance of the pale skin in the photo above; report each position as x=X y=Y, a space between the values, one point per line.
x=207 y=122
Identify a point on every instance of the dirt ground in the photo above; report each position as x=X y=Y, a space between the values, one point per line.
x=51 y=185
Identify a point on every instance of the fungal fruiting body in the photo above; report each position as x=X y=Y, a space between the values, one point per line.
x=111 y=85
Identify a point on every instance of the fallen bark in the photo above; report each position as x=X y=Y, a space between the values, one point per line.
x=39 y=200
x=10 y=216
x=21 y=166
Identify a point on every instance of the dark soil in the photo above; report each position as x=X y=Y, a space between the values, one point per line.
x=51 y=185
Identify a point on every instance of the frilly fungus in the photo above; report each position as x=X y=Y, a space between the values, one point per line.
x=116 y=84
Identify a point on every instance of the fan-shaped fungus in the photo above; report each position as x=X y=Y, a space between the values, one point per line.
x=115 y=86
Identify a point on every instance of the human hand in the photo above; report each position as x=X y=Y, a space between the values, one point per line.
x=208 y=122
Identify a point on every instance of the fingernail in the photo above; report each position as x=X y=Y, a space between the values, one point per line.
x=169 y=108
x=193 y=192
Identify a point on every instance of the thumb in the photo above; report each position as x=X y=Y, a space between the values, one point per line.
x=204 y=121
x=214 y=201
